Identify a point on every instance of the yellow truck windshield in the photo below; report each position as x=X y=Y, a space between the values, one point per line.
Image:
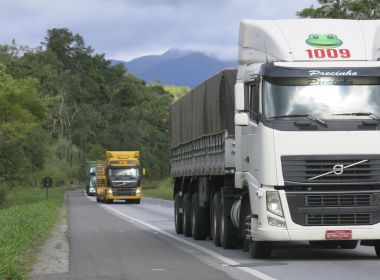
x=130 y=173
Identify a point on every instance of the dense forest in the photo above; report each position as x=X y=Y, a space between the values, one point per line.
x=61 y=104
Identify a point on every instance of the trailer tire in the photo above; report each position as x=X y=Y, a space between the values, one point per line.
x=178 y=222
x=260 y=249
x=187 y=214
x=215 y=219
x=228 y=232
x=376 y=244
x=199 y=219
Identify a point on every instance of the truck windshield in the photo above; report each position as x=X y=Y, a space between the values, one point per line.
x=130 y=173
x=324 y=98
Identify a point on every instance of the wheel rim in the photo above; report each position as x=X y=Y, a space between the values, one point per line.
x=214 y=217
x=222 y=225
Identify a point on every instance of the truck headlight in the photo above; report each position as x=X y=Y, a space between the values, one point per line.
x=138 y=191
x=274 y=203
x=276 y=223
x=110 y=191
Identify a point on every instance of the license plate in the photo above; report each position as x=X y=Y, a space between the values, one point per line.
x=338 y=234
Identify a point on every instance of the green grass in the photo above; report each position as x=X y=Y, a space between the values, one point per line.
x=159 y=188
x=26 y=220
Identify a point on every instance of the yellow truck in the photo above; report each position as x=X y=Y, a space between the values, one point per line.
x=118 y=177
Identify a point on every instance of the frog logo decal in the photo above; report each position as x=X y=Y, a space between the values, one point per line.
x=324 y=41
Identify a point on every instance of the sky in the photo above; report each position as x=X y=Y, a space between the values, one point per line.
x=126 y=29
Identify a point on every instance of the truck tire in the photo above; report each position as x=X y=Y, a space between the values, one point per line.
x=228 y=232
x=376 y=244
x=178 y=222
x=97 y=199
x=199 y=219
x=108 y=201
x=260 y=249
x=186 y=214
x=215 y=219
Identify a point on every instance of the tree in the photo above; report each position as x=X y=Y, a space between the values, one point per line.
x=343 y=9
x=22 y=112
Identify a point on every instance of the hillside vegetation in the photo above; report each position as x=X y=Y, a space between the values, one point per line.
x=61 y=104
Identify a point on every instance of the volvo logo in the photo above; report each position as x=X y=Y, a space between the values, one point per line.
x=338 y=169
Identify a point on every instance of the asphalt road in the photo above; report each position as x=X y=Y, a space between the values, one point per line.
x=119 y=241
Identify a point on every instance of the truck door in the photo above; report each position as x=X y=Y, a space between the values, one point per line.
x=249 y=143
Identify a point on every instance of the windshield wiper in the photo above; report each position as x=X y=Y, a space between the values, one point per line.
x=365 y=114
x=311 y=117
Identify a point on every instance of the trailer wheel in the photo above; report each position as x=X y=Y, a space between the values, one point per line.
x=228 y=232
x=199 y=219
x=215 y=220
x=377 y=247
x=178 y=222
x=187 y=214
x=260 y=249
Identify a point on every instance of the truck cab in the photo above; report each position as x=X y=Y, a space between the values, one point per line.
x=307 y=104
x=120 y=177
x=90 y=177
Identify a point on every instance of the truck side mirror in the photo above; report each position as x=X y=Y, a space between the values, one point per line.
x=241 y=119
x=239 y=97
x=143 y=172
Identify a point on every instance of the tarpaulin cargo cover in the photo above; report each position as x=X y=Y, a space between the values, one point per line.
x=207 y=109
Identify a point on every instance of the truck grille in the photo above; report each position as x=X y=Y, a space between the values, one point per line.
x=338 y=219
x=334 y=208
x=124 y=191
x=320 y=169
x=337 y=200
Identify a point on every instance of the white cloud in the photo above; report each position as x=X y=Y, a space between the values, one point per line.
x=124 y=29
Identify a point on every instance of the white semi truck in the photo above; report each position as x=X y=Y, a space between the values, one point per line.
x=286 y=147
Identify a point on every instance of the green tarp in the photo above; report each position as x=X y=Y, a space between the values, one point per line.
x=207 y=109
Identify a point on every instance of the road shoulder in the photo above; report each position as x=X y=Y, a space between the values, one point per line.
x=52 y=261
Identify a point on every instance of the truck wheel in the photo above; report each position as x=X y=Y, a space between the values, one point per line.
x=109 y=201
x=260 y=249
x=199 y=220
x=137 y=201
x=215 y=220
x=377 y=247
x=97 y=199
x=178 y=223
x=228 y=233
x=187 y=214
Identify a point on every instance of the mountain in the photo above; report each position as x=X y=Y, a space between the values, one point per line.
x=176 y=67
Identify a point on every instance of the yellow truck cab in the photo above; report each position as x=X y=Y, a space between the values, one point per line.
x=118 y=177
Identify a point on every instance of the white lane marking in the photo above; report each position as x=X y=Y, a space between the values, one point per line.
x=158 y=269
x=224 y=259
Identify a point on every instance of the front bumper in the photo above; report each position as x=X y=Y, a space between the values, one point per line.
x=358 y=233
x=124 y=197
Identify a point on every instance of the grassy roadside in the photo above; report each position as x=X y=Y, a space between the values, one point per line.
x=26 y=219
x=159 y=188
